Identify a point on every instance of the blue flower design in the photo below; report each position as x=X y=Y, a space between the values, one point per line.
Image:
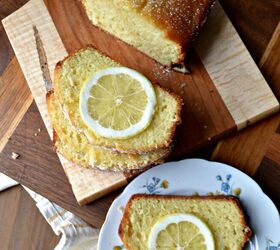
x=226 y=188
x=151 y=188
x=270 y=245
x=156 y=180
x=155 y=185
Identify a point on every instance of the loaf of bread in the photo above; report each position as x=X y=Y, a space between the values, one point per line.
x=162 y=29
x=74 y=71
x=76 y=148
x=222 y=214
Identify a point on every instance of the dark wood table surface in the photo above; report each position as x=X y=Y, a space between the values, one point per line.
x=255 y=150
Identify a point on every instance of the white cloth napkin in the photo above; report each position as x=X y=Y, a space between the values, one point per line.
x=6 y=182
x=75 y=233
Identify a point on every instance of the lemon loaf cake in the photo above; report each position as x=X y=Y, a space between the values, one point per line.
x=162 y=29
x=153 y=222
x=77 y=70
x=76 y=148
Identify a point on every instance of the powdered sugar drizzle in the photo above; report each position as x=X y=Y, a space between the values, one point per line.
x=161 y=73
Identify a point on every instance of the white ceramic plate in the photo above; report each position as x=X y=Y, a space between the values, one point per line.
x=203 y=177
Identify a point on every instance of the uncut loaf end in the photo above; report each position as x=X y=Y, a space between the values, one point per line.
x=162 y=29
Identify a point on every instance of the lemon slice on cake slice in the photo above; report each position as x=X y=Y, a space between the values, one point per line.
x=180 y=232
x=117 y=103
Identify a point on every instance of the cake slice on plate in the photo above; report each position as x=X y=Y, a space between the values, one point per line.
x=155 y=222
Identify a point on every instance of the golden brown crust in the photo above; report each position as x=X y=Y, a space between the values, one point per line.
x=171 y=133
x=129 y=173
x=181 y=20
x=234 y=200
x=180 y=104
x=55 y=138
x=48 y=99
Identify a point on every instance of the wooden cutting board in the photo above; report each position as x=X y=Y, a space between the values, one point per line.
x=225 y=92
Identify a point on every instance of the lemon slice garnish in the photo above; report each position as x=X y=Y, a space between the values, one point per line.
x=181 y=232
x=117 y=103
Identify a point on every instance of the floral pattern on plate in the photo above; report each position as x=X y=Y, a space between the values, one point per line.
x=155 y=185
x=272 y=245
x=227 y=187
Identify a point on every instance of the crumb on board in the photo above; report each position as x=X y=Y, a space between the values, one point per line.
x=183 y=85
x=37 y=133
x=15 y=155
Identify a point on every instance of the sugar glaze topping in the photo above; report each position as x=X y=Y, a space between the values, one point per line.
x=180 y=18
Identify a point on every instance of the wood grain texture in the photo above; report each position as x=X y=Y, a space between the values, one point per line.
x=6 y=52
x=273 y=149
x=267 y=176
x=270 y=63
x=235 y=75
x=39 y=168
x=22 y=225
x=12 y=84
x=205 y=117
x=23 y=42
x=255 y=21
x=17 y=209
x=268 y=173
x=246 y=149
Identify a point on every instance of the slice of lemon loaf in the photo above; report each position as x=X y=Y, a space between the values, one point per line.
x=162 y=29
x=182 y=222
x=76 y=148
x=75 y=71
